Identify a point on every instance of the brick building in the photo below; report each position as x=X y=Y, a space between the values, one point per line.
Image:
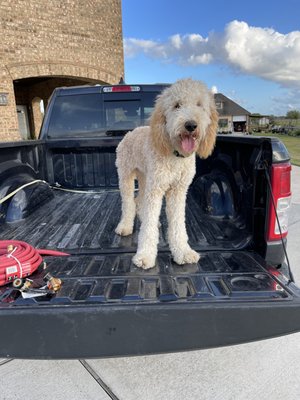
x=48 y=44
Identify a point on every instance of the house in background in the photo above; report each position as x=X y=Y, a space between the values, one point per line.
x=259 y=122
x=232 y=117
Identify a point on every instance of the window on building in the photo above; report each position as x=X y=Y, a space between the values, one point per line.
x=219 y=105
x=223 y=123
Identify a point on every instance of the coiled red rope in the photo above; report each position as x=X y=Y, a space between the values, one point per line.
x=19 y=259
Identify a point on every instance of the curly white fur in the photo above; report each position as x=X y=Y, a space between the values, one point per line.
x=147 y=154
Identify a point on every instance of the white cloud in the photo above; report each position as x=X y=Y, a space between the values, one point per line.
x=134 y=46
x=253 y=50
x=214 y=89
x=190 y=49
x=176 y=41
x=205 y=58
x=264 y=52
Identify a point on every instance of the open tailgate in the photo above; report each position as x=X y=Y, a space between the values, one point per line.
x=108 y=307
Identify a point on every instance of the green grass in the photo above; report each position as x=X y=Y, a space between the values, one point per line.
x=291 y=143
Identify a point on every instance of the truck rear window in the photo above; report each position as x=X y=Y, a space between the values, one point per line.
x=78 y=114
x=93 y=115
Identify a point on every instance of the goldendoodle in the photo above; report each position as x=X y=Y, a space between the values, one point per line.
x=162 y=158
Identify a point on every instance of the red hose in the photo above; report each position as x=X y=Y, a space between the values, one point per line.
x=21 y=260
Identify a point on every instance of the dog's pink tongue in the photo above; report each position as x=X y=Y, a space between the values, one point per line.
x=188 y=144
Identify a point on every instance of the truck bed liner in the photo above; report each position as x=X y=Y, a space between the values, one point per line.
x=108 y=307
x=114 y=279
x=79 y=222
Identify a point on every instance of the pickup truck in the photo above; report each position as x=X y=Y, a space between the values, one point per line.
x=65 y=197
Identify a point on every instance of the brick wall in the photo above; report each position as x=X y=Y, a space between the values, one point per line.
x=8 y=115
x=66 y=39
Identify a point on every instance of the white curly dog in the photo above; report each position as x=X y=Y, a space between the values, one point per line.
x=162 y=158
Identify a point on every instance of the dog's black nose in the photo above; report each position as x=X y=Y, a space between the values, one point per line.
x=190 y=126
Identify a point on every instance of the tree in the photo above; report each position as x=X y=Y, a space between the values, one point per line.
x=293 y=114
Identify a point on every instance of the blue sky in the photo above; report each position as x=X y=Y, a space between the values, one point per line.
x=249 y=51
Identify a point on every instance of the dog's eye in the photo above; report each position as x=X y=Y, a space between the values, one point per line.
x=199 y=104
x=177 y=105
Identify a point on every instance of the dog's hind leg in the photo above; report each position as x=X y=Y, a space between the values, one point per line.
x=139 y=200
x=126 y=184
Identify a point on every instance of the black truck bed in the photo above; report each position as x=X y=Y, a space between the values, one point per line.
x=107 y=306
x=84 y=222
x=100 y=267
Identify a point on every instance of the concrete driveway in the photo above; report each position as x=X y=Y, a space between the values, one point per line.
x=260 y=370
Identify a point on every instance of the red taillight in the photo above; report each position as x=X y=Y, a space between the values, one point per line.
x=121 y=88
x=281 y=188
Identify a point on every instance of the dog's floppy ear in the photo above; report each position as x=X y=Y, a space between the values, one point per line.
x=207 y=145
x=159 y=135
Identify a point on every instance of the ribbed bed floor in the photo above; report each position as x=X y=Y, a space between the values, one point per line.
x=82 y=222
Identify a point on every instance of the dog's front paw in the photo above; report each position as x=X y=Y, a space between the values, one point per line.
x=144 y=260
x=189 y=256
x=123 y=229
